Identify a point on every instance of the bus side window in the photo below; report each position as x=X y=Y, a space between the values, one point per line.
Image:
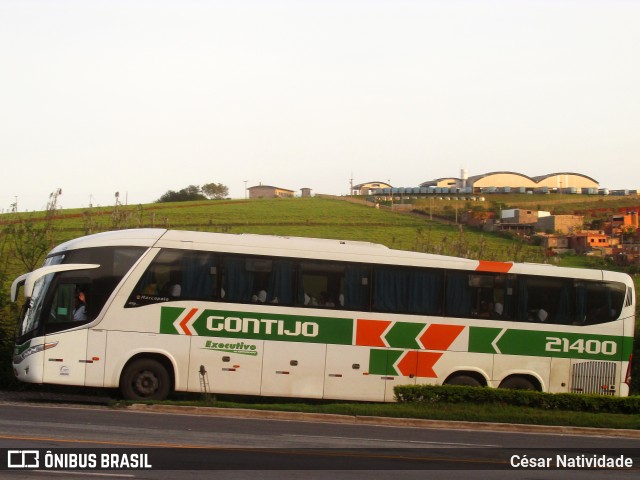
x=479 y=295
x=408 y=290
x=459 y=295
x=321 y=284
x=193 y=277
x=598 y=302
x=545 y=300
x=357 y=288
x=177 y=275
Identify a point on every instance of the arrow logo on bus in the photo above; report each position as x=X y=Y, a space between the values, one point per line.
x=184 y=323
x=407 y=363
x=413 y=336
x=418 y=364
x=417 y=336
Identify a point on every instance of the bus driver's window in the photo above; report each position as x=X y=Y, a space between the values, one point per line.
x=70 y=303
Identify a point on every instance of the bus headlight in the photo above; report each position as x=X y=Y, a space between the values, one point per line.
x=31 y=350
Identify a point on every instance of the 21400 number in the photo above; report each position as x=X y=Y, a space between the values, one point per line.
x=592 y=347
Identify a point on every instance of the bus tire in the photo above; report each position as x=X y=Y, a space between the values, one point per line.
x=519 y=383
x=145 y=379
x=463 y=380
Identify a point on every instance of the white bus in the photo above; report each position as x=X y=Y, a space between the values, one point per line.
x=150 y=311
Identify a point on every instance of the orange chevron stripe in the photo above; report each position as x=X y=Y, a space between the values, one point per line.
x=369 y=332
x=496 y=267
x=440 y=337
x=185 y=320
x=419 y=364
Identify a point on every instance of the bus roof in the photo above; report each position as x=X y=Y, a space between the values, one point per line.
x=139 y=237
x=312 y=248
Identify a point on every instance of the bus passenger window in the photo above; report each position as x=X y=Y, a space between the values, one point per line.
x=598 y=302
x=480 y=295
x=258 y=280
x=408 y=290
x=356 y=288
x=545 y=300
x=321 y=284
x=459 y=295
x=176 y=275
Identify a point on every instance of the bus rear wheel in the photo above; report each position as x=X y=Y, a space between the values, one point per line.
x=145 y=379
x=518 y=383
x=464 y=380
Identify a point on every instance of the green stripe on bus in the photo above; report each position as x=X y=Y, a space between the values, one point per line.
x=404 y=334
x=548 y=344
x=381 y=361
x=258 y=326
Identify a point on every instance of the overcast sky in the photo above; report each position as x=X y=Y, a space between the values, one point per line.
x=142 y=97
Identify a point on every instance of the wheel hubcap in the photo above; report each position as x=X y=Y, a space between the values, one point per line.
x=146 y=383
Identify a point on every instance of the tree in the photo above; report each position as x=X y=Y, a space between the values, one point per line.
x=215 y=191
x=192 y=192
x=32 y=236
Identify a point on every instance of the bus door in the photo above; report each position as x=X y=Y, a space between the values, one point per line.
x=402 y=369
x=293 y=369
x=225 y=365
x=67 y=312
x=95 y=357
x=357 y=373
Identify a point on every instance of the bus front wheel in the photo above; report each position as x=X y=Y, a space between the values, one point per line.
x=145 y=379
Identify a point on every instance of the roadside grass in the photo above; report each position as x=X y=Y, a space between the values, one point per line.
x=467 y=412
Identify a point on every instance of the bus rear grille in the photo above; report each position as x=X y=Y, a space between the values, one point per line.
x=594 y=377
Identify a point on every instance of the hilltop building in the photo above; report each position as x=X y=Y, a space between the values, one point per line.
x=268 y=191
x=569 y=182
x=518 y=215
x=568 y=224
x=368 y=188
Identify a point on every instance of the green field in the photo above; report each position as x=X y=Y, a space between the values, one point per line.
x=308 y=217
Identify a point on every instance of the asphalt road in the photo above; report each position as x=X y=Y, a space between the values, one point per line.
x=194 y=444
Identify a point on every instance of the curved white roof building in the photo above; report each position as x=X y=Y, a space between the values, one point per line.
x=517 y=180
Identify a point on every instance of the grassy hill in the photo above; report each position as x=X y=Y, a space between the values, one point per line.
x=307 y=217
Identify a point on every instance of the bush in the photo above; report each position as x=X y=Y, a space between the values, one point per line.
x=431 y=394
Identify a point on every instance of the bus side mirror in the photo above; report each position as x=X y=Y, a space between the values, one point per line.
x=17 y=283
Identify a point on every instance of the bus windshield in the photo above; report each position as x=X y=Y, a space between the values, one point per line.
x=50 y=307
x=30 y=319
x=33 y=308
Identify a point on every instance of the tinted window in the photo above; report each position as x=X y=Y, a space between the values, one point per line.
x=479 y=295
x=176 y=275
x=408 y=290
x=79 y=296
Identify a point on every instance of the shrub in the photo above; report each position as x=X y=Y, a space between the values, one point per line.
x=430 y=394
